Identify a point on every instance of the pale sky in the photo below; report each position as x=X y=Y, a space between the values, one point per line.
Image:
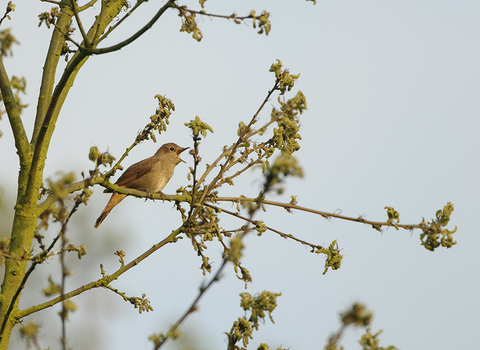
x=393 y=96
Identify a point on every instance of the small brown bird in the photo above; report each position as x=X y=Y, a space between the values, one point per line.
x=149 y=175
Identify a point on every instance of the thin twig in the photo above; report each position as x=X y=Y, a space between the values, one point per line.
x=324 y=214
x=10 y=8
x=105 y=280
x=111 y=28
x=194 y=173
x=67 y=36
x=80 y=25
x=63 y=314
x=203 y=13
x=38 y=259
x=193 y=306
x=204 y=288
x=246 y=229
x=241 y=171
x=91 y=51
x=255 y=222
x=232 y=149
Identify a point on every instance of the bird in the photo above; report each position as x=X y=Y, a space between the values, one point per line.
x=149 y=175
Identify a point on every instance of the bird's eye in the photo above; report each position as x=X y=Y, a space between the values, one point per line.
x=172 y=149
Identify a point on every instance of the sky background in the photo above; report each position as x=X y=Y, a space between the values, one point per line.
x=393 y=96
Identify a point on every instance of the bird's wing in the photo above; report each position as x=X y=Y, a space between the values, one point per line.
x=136 y=171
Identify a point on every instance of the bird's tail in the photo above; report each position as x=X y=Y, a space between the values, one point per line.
x=114 y=200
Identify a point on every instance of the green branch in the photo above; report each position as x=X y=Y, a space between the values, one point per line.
x=100 y=180
x=21 y=142
x=103 y=282
x=91 y=51
x=48 y=124
x=86 y=40
x=50 y=67
x=77 y=186
x=87 y=5
x=128 y=14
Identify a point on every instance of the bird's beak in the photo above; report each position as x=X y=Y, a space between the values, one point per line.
x=180 y=151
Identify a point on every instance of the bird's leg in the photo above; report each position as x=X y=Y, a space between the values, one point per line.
x=161 y=195
x=149 y=194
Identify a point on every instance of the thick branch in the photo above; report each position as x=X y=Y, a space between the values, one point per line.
x=109 y=11
x=48 y=124
x=50 y=67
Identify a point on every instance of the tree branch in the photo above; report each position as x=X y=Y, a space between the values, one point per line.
x=91 y=51
x=193 y=306
x=106 y=280
x=52 y=2
x=38 y=259
x=47 y=123
x=50 y=68
x=76 y=186
x=41 y=144
x=256 y=222
x=203 y=13
x=128 y=14
x=87 y=5
x=232 y=149
x=100 y=180
x=80 y=25
x=375 y=224
x=21 y=142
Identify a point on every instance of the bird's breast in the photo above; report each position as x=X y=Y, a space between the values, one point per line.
x=159 y=177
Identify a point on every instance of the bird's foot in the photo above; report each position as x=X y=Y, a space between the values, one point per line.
x=162 y=195
x=149 y=194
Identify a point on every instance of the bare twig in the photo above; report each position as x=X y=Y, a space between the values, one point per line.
x=66 y=35
x=63 y=314
x=255 y=222
x=203 y=13
x=91 y=51
x=38 y=259
x=105 y=280
x=232 y=149
x=80 y=25
x=375 y=224
x=136 y=6
x=193 y=306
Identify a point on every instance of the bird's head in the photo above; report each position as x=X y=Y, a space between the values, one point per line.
x=172 y=152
